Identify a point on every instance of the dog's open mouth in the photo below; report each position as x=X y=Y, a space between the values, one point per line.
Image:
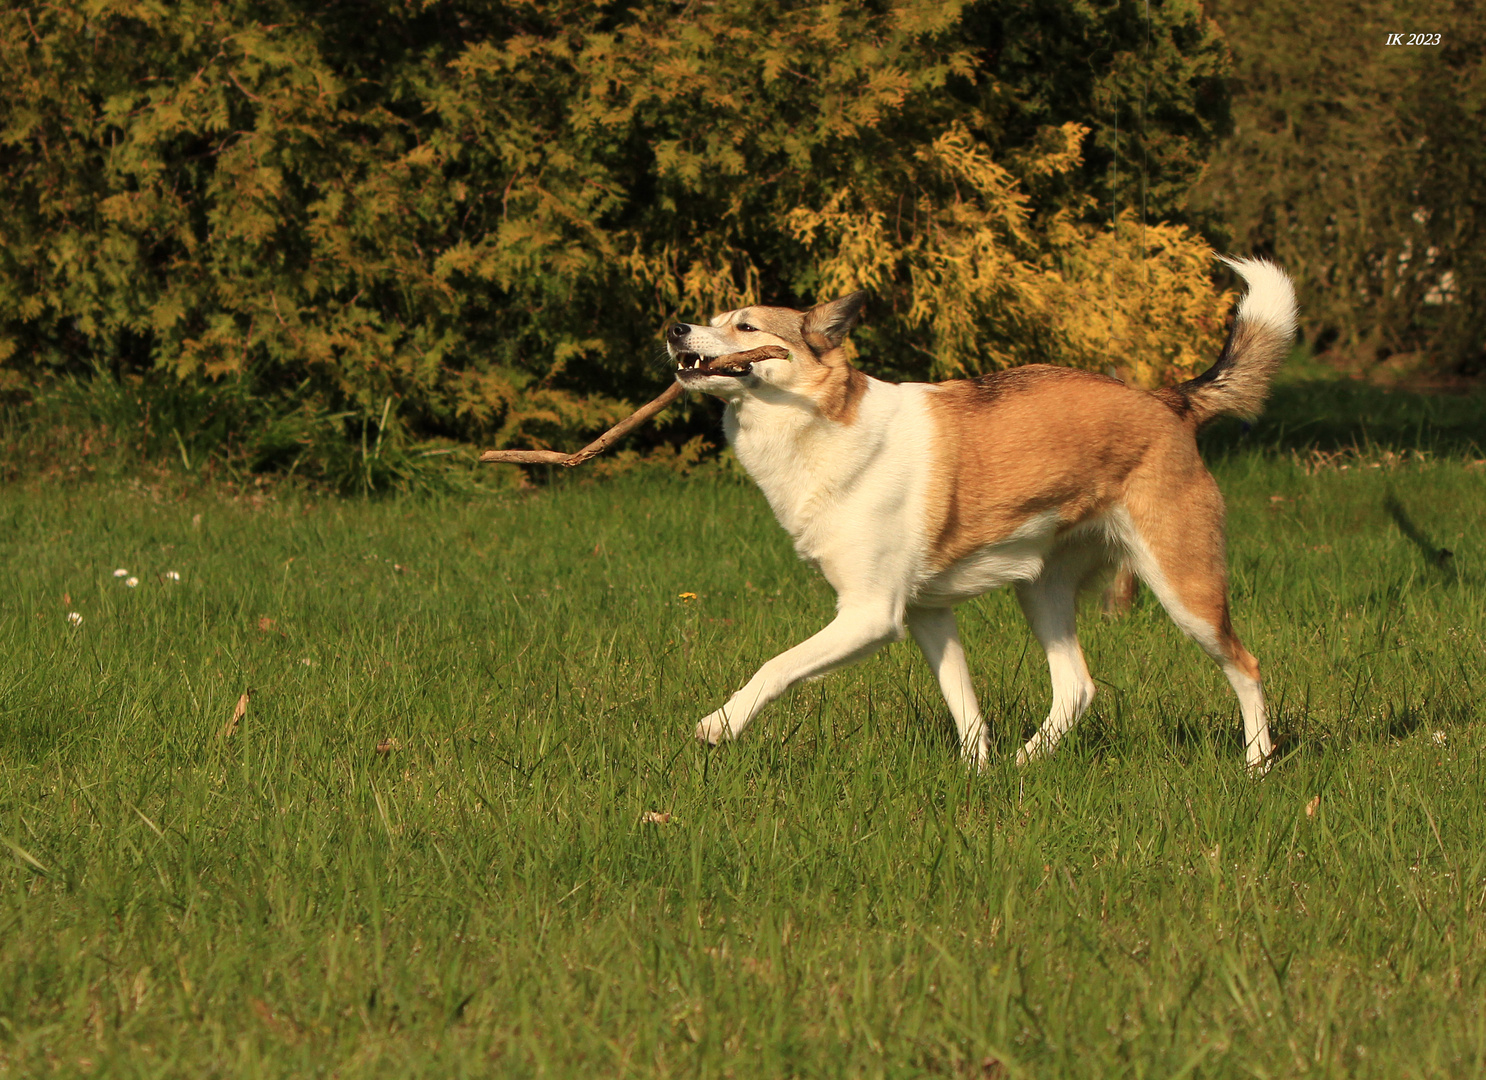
x=734 y=365
x=690 y=363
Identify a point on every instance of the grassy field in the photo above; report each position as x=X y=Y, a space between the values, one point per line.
x=437 y=843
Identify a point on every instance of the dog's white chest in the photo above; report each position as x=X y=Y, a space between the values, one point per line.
x=792 y=460
x=849 y=495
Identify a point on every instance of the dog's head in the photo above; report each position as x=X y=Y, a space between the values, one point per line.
x=812 y=338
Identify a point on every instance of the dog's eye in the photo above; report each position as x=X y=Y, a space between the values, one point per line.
x=747 y=329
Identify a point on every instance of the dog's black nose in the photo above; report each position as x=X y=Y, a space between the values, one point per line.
x=679 y=331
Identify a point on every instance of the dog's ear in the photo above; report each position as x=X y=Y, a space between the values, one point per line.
x=826 y=325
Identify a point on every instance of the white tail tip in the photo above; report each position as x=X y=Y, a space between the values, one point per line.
x=1271 y=296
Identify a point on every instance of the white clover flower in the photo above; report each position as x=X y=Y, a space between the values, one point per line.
x=121 y=572
x=74 y=618
x=172 y=575
x=132 y=582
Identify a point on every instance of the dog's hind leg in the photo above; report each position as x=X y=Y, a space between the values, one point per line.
x=1049 y=604
x=1181 y=558
x=855 y=633
x=934 y=630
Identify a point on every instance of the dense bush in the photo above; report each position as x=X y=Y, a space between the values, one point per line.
x=1361 y=166
x=468 y=221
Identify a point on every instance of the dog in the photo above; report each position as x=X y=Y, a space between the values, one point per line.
x=912 y=498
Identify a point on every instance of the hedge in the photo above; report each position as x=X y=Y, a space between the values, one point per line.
x=421 y=220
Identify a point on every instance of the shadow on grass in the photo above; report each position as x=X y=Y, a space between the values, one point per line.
x=1443 y=558
x=1217 y=732
x=1338 y=414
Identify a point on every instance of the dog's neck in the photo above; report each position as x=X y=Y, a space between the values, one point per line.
x=768 y=419
x=838 y=392
x=829 y=400
x=799 y=447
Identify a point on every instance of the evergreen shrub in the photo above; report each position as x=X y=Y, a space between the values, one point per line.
x=346 y=224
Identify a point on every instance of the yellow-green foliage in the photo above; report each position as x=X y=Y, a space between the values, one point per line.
x=989 y=291
x=471 y=221
x=1139 y=297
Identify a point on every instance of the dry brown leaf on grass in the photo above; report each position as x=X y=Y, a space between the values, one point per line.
x=238 y=713
x=279 y=1024
x=386 y=746
x=1310 y=807
x=265 y=624
x=655 y=817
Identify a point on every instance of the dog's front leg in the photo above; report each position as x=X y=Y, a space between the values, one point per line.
x=934 y=630
x=855 y=633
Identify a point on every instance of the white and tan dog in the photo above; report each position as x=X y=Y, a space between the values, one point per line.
x=914 y=497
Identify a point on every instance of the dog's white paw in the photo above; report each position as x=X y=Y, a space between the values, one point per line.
x=713 y=729
x=1259 y=767
x=1034 y=749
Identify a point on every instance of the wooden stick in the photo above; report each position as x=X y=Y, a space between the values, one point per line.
x=526 y=457
x=593 y=449
x=630 y=422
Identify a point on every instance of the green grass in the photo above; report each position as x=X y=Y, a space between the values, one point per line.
x=832 y=896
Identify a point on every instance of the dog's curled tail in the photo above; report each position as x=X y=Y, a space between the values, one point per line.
x=1258 y=342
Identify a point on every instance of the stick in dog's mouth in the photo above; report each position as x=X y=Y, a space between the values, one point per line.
x=735 y=365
